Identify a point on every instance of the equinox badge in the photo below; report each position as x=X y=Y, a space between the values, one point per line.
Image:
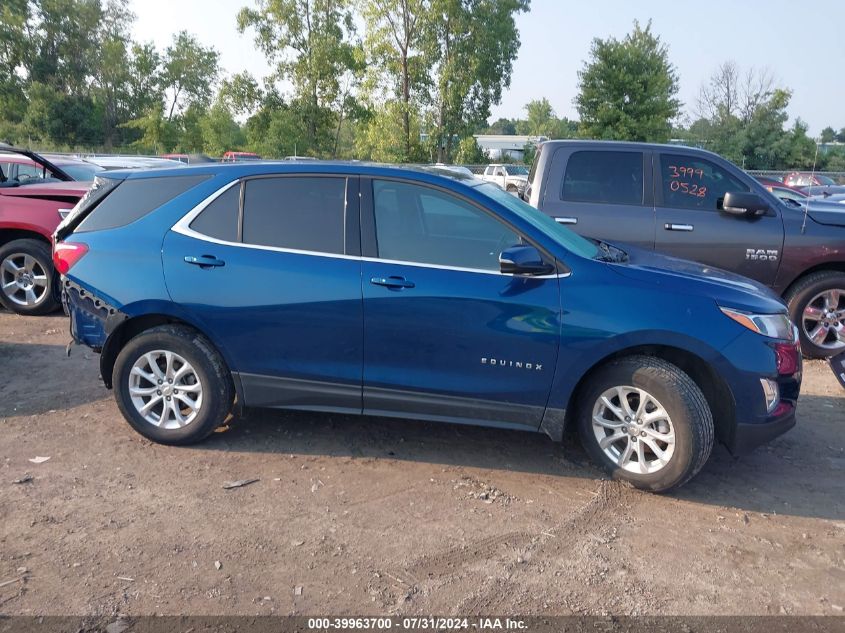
x=518 y=364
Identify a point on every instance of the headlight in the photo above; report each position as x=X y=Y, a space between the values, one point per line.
x=771 y=325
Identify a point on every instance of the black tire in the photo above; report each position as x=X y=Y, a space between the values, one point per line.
x=801 y=294
x=40 y=252
x=691 y=418
x=209 y=368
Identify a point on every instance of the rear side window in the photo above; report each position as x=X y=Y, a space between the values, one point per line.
x=220 y=218
x=694 y=183
x=301 y=213
x=133 y=199
x=604 y=177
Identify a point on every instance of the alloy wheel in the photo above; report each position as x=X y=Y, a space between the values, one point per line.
x=165 y=389
x=823 y=320
x=633 y=429
x=23 y=280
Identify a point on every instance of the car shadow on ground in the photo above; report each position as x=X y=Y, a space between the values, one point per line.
x=800 y=473
x=37 y=378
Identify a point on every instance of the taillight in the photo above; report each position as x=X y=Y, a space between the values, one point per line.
x=67 y=254
x=787 y=356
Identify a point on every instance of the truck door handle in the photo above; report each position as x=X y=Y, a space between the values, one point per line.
x=392 y=282
x=204 y=261
x=566 y=220
x=671 y=226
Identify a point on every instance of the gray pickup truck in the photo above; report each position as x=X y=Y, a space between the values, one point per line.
x=693 y=204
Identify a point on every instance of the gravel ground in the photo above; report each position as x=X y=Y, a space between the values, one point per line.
x=366 y=516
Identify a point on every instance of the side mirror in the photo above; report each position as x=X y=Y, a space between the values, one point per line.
x=744 y=203
x=523 y=260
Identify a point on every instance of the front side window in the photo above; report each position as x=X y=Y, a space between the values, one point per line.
x=300 y=213
x=695 y=183
x=428 y=226
x=604 y=177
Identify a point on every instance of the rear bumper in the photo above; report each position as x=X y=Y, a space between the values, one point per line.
x=91 y=318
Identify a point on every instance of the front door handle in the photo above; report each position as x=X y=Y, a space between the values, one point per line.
x=392 y=282
x=204 y=261
x=671 y=226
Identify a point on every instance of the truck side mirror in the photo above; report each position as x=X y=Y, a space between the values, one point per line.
x=744 y=203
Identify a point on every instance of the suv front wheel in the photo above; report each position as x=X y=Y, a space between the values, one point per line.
x=645 y=421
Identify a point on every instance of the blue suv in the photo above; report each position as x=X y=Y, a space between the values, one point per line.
x=412 y=294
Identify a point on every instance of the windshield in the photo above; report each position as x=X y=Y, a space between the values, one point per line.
x=562 y=235
x=825 y=180
x=81 y=173
x=516 y=170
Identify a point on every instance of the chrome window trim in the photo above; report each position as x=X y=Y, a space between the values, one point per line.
x=183 y=228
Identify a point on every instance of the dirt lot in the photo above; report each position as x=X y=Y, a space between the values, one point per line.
x=367 y=516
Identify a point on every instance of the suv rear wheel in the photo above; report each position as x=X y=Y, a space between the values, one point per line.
x=817 y=307
x=645 y=421
x=171 y=385
x=27 y=278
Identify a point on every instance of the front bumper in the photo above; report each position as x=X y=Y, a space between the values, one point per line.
x=747 y=437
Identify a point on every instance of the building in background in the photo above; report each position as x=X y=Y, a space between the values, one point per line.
x=506 y=146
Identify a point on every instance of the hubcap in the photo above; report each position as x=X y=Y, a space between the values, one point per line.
x=823 y=320
x=23 y=280
x=165 y=389
x=633 y=429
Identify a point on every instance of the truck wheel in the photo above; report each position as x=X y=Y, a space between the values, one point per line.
x=645 y=421
x=817 y=307
x=171 y=385
x=27 y=279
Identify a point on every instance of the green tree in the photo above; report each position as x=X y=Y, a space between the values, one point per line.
x=627 y=89
x=220 y=131
x=382 y=137
x=394 y=39
x=310 y=42
x=241 y=93
x=469 y=152
x=14 y=58
x=470 y=46
x=189 y=74
x=502 y=126
x=828 y=135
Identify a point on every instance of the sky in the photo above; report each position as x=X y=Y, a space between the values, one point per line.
x=801 y=45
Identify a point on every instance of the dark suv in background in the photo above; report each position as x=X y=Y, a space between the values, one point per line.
x=693 y=204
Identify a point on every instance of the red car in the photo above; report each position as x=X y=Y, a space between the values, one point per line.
x=782 y=191
x=803 y=178
x=237 y=157
x=29 y=213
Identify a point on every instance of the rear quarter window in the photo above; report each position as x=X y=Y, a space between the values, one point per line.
x=220 y=218
x=133 y=199
x=608 y=177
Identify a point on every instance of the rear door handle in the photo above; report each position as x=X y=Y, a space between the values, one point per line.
x=392 y=282
x=671 y=226
x=566 y=220
x=204 y=261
